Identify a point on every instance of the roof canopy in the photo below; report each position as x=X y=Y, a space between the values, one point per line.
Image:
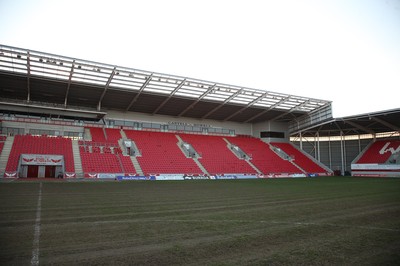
x=370 y=123
x=33 y=77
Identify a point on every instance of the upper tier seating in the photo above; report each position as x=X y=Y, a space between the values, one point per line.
x=27 y=144
x=161 y=154
x=267 y=161
x=97 y=134
x=299 y=158
x=379 y=151
x=216 y=156
x=105 y=135
x=113 y=135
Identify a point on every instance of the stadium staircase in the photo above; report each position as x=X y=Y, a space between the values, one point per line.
x=5 y=153
x=241 y=155
x=300 y=159
x=86 y=134
x=161 y=153
x=104 y=153
x=77 y=158
x=263 y=157
x=216 y=157
x=136 y=164
x=123 y=135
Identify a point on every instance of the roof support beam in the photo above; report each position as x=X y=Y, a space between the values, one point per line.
x=266 y=110
x=359 y=126
x=139 y=92
x=69 y=83
x=385 y=123
x=106 y=88
x=28 y=66
x=246 y=107
x=291 y=110
x=170 y=96
x=198 y=100
x=222 y=104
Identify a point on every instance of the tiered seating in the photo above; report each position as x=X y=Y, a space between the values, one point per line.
x=216 y=156
x=113 y=135
x=103 y=157
x=267 y=161
x=27 y=144
x=103 y=154
x=100 y=163
x=126 y=163
x=299 y=158
x=161 y=154
x=373 y=154
x=97 y=134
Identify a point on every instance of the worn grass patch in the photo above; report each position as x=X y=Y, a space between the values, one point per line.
x=321 y=221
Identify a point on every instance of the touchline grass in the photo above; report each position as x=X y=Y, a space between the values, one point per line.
x=308 y=221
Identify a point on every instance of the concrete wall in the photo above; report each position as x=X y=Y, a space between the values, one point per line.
x=27 y=126
x=240 y=128
x=271 y=126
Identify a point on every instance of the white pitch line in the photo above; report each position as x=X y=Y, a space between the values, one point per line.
x=36 y=234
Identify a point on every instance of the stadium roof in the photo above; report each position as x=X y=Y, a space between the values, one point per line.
x=370 y=123
x=54 y=84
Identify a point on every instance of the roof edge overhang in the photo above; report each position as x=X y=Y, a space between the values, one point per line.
x=35 y=108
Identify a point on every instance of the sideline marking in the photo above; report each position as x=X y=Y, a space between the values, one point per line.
x=36 y=235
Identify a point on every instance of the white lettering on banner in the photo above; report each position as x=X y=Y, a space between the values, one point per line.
x=391 y=149
x=41 y=159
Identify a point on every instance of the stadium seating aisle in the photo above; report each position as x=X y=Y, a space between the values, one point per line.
x=161 y=154
x=97 y=134
x=216 y=156
x=267 y=161
x=102 y=154
x=299 y=158
x=113 y=135
x=1 y=146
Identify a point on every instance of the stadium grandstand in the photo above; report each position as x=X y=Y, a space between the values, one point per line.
x=69 y=117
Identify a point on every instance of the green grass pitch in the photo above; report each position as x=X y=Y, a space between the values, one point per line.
x=308 y=221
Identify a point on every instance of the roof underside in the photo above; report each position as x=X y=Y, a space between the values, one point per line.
x=38 y=79
x=370 y=123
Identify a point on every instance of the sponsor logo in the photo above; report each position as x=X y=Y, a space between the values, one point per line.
x=386 y=148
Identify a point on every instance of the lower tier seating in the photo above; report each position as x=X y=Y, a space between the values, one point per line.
x=161 y=154
x=216 y=156
x=380 y=151
x=299 y=158
x=27 y=144
x=267 y=161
